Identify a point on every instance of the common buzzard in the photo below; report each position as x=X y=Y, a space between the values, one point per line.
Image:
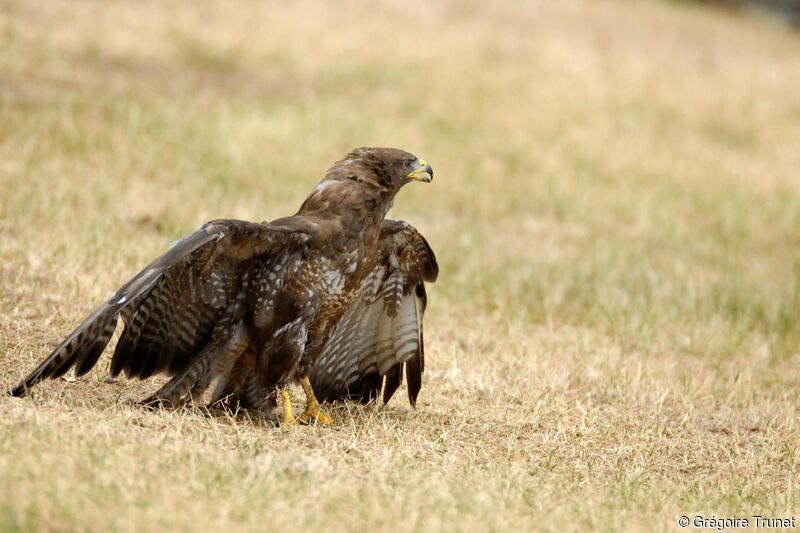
x=335 y=293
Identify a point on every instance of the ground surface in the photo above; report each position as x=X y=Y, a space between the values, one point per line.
x=614 y=340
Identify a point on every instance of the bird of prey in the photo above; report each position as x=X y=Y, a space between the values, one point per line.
x=334 y=292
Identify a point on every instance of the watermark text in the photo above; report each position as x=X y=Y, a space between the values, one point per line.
x=737 y=522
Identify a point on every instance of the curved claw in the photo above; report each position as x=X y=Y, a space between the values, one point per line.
x=320 y=417
x=312 y=411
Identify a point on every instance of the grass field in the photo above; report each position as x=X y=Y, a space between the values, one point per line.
x=614 y=340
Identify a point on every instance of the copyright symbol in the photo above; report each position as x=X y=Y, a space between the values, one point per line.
x=683 y=521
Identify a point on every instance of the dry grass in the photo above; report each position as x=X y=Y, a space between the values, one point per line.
x=614 y=338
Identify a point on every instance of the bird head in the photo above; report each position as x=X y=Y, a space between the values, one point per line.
x=390 y=168
x=366 y=177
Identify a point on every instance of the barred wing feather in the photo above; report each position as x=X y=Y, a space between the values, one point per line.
x=379 y=337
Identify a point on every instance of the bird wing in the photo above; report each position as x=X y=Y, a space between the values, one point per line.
x=170 y=308
x=380 y=333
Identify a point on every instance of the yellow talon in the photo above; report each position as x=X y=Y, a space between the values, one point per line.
x=315 y=415
x=288 y=416
x=312 y=411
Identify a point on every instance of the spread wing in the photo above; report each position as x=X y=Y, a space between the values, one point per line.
x=380 y=334
x=169 y=309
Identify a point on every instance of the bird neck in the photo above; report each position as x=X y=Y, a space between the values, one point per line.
x=355 y=202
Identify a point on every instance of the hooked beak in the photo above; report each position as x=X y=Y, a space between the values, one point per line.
x=423 y=172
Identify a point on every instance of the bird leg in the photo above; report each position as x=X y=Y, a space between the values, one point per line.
x=288 y=416
x=312 y=412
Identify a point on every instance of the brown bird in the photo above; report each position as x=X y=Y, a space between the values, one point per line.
x=251 y=307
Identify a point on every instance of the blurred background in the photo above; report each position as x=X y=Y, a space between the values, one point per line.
x=616 y=210
x=625 y=165
x=781 y=10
